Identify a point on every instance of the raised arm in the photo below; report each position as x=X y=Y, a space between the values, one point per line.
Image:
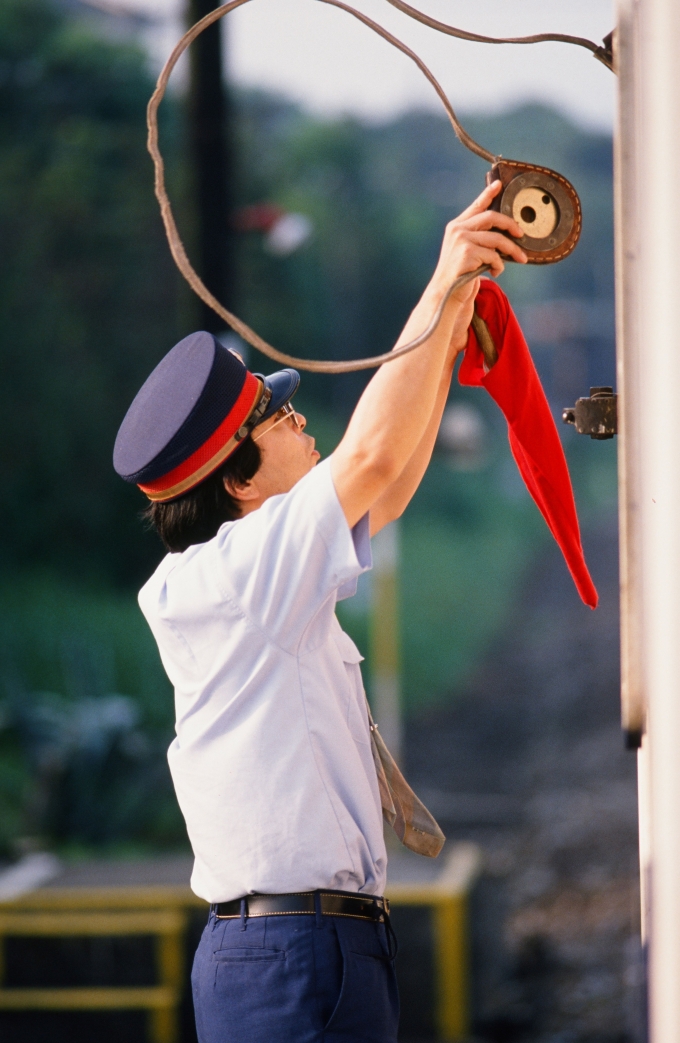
x=397 y=496
x=396 y=415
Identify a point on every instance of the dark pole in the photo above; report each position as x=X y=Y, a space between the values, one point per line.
x=209 y=135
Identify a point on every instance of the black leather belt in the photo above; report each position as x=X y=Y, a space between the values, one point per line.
x=331 y=903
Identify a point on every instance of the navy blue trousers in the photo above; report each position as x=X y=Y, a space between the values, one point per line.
x=295 y=979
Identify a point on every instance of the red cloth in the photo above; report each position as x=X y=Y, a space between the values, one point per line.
x=514 y=385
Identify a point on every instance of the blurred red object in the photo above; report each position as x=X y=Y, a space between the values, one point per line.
x=258 y=217
x=283 y=232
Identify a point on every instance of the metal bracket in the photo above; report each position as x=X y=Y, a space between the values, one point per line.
x=595 y=416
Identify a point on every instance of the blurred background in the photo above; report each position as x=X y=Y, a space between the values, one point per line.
x=334 y=175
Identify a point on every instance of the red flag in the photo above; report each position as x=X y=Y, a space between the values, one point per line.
x=514 y=385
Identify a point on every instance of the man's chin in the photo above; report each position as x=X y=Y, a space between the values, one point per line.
x=311 y=464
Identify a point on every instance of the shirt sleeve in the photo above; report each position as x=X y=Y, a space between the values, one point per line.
x=283 y=561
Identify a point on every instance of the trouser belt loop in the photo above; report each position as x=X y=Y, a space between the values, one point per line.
x=244 y=913
x=317 y=909
x=392 y=943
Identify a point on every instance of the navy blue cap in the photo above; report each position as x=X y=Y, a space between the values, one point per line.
x=192 y=412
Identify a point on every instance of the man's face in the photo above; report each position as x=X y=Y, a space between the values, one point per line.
x=288 y=454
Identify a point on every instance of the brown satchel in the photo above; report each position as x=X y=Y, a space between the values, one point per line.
x=407 y=815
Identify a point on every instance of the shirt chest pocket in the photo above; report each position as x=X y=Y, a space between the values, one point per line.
x=357 y=718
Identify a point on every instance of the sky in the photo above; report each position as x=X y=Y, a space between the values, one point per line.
x=327 y=60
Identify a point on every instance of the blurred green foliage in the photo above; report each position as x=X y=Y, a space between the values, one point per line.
x=90 y=301
x=88 y=297
x=81 y=763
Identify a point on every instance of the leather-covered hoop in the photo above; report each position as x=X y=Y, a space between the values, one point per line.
x=517 y=178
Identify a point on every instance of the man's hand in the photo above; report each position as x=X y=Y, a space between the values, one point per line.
x=479 y=223
x=471 y=240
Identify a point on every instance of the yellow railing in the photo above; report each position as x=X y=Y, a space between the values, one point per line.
x=162 y=912
x=104 y=912
x=448 y=899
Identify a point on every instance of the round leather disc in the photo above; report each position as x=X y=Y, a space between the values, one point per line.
x=545 y=206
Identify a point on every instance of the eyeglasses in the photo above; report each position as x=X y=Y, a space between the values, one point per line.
x=281 y=414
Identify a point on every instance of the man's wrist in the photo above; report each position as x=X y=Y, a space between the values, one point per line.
x=433 y=294
x=451 y=360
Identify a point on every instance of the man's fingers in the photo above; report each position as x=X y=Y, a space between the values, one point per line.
x=500 y=242
x=482 y=202
x=467 y=293
x=476 y=255
x=492 y=219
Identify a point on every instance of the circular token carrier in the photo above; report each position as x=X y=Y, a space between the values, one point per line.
x=545 y=206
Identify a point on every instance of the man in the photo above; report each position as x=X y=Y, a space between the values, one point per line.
x=272 y=762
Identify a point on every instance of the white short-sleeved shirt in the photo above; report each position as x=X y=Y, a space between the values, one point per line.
x=272 y=762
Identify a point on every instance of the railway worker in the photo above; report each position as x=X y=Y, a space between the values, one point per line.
x=272 y=760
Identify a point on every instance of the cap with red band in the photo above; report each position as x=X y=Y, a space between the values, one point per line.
x=192 y=412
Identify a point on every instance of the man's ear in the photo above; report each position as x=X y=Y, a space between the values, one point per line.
x=241 y=491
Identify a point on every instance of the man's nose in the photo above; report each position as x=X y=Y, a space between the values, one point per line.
x=301 y=420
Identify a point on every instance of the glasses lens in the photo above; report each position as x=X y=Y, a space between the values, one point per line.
x=281 y=414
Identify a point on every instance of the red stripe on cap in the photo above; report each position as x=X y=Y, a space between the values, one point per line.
x=212 y=453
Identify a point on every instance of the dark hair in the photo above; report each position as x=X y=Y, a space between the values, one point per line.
x=196 y=516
